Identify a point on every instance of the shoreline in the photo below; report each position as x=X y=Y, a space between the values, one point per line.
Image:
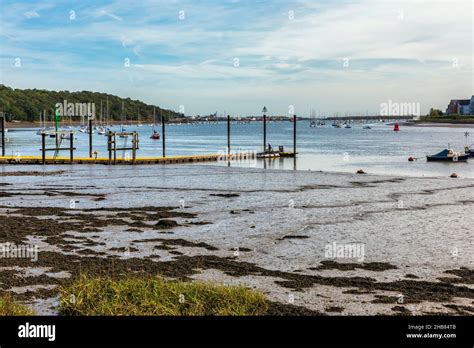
x=271 y=236
x=447 y=125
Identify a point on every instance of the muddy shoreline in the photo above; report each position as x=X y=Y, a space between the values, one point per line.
x=271 y=238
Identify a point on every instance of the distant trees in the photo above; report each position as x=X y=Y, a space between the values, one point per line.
x=26 y=104
x=435 y=112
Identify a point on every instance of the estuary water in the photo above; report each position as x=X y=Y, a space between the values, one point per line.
x=378 y=150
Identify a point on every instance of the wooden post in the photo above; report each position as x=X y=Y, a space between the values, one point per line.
x=3 y=134
x=90 y=138
x=134 y=147
x=115 y=147
x=294 y=142
x=163 y=129
x=71 y=144
x=264 y=132
x=228 y=135
x=109 y=145
x=43 y=147
x=294 y=135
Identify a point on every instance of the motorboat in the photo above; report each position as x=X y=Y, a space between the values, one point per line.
x=448 y=155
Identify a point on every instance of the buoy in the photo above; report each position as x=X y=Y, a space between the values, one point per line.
x=410 y=159
x=360 y=171
x=396 y=128
x=454 y=175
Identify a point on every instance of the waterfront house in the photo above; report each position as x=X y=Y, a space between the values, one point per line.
x=459 y=106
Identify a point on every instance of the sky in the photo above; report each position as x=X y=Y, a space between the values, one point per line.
x=235 y=56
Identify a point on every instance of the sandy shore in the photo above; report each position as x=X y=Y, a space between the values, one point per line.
x=320 y=243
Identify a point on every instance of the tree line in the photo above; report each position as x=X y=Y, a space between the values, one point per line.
x=27 y=104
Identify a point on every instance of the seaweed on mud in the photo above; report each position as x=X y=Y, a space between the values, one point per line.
x=225 y=195
x=463 y=275
x=370 y=266
x=293 y=237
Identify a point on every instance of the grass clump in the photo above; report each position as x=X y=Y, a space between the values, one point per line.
x=156 y=296
x=10 y=307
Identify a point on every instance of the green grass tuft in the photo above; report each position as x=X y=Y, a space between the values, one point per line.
x=156 y=296
x=10 y=307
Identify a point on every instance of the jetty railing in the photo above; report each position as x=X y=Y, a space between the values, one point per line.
x=57 y=148
x=112 y=145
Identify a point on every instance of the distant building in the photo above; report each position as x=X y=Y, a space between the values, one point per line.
x=460 y=106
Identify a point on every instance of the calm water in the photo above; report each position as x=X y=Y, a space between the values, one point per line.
x=378 y=150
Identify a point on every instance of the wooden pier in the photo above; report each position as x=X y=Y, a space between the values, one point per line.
x=138 y=160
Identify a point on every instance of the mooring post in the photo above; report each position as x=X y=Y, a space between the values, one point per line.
x=228 y=135
x=294 y=142
x=90 y=138
x=109 y=146
x=294 y=135
x=163 y=129
x=3 y=134
x=43 y=147
x=71 y=144
x=264 y=132
x=134 y=147
x=115 y=147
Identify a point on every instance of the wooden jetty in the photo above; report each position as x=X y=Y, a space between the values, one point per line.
x=118 y=160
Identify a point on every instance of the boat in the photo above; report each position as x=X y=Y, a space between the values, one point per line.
x=367 y=127
x=347 y=126
x=336 y=125
x=102 y=131
x=155 y=135
x=448 y=155
x=469 y=150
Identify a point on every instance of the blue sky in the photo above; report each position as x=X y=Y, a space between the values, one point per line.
x=238 y=55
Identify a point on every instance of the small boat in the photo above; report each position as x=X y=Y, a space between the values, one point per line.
x=155 y=135
x=469 y=150
x=312 y=124
x=367 y=127
x=347 y=126
x=448 y=155
x=336 y=125
x=65 y=135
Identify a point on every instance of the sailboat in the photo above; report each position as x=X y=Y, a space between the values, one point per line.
x=139 y=119
x=124 y=120
x=42 y=124
x=155 y=135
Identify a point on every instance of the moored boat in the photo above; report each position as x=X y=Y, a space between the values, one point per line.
x=469 y=150
x=448 y=155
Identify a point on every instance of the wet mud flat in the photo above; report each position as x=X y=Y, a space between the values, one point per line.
x=314 y=243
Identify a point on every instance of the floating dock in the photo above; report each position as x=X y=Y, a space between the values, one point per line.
x=138 y=160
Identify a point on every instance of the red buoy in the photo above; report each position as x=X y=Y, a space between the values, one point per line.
x=410 y=159
x=396 y=128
